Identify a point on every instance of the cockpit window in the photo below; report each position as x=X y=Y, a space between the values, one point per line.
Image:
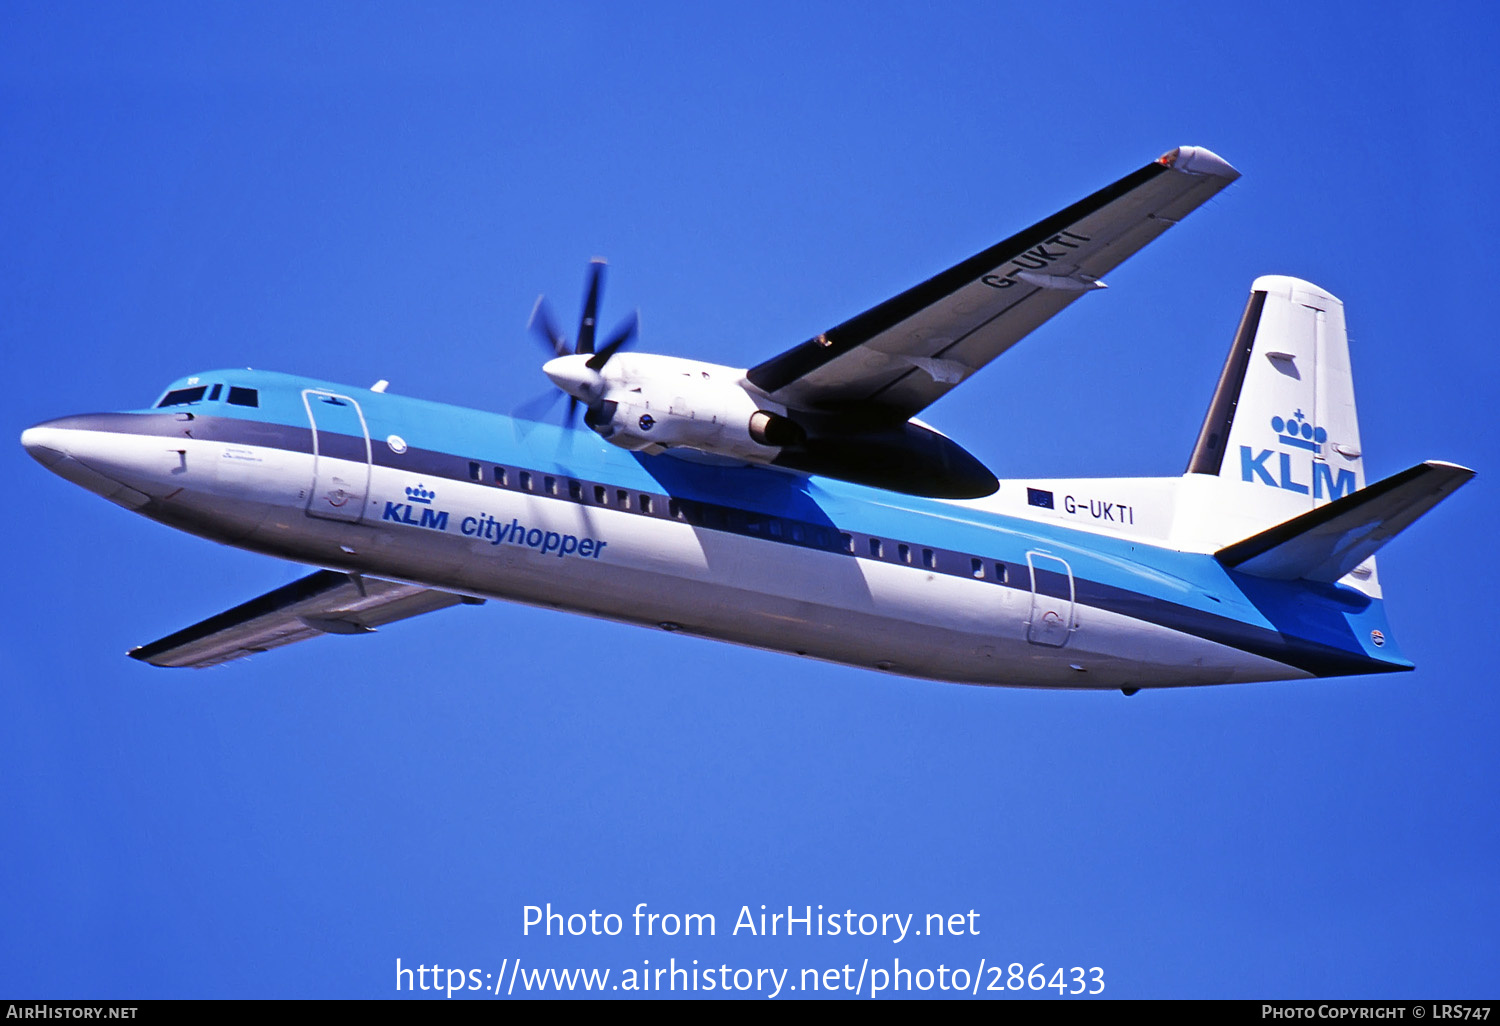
x=182 y=396
x=244 y=396
x=213 y=393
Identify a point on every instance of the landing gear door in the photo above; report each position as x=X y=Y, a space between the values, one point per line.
x=1052 y=596
x=341 y=456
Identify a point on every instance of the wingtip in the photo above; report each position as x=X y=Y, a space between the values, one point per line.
x=1456 y=469
x=1198 y=160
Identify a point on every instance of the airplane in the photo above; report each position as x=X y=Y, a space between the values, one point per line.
x=800 y=505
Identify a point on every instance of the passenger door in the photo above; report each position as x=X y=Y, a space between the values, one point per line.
x=1052 y=596
x=341 y=456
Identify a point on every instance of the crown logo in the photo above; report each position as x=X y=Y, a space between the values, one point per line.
x=1295 y=430
x=420 y=494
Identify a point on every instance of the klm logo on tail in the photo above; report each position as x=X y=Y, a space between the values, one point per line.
x=1295 y=472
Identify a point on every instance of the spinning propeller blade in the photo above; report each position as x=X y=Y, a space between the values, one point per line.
x=537 y=407
x=546 y=328
x=590 y=307
x=622 y=337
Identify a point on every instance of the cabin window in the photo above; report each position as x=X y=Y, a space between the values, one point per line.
x=775 y=528
x=550 y=484
x=622 y=498
x=182 y=396
x=476 y=472
x=847 y=541
x=575 y=491
x=526 y=480
x=243 y=396
x=645 y=504
x=905 y=553
x=977 y=569
x=601 y=495
x=1000 y=572
x=876 y=549
x=929 y=559
x=798 y=534
x=500 y=476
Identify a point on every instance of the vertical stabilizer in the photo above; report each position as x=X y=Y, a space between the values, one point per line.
x=1281 y=437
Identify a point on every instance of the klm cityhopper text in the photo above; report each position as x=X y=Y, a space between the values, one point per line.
x=489 y=529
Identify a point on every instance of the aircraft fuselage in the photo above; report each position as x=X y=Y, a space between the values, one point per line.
x=483 y=505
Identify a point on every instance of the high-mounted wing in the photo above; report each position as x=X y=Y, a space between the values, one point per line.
x=326 y=602
x=903 y=355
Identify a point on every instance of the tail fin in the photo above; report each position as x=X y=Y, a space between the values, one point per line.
x=1281 y=436
x=1281 y=432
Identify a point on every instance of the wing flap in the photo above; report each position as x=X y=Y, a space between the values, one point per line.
x=977 y=309
x=1330 y=541
x=326 y=602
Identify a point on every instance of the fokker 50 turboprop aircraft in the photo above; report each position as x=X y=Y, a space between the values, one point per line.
x=799 y=505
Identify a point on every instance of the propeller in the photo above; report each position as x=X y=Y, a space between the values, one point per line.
x=580 y=380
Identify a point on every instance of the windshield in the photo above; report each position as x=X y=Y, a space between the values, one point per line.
x=182 y=396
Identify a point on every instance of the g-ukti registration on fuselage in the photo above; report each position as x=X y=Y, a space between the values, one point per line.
x=799 y=505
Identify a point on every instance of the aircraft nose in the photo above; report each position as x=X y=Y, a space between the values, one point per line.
x=78 y=449
x=47 y=443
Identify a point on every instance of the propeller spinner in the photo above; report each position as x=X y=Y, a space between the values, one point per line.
x=576 y=371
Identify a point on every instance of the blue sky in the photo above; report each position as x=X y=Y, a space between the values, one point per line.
x=369 y=191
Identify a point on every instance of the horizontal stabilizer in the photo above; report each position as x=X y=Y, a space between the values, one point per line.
x=326 y=602
x=1330 y=541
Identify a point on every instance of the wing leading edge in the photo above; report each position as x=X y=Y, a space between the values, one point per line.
x=325 y=602
x=901 y=356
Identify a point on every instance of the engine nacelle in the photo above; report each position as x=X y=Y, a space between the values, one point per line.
x=696 y=413
x=652 y=404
